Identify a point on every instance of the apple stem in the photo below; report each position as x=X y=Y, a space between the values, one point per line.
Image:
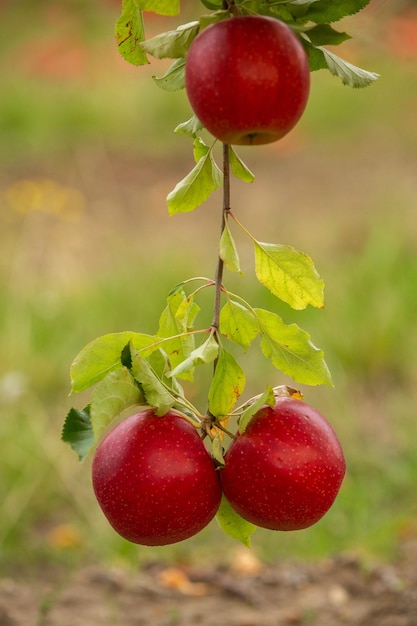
x=227 y=432
x=230 y=5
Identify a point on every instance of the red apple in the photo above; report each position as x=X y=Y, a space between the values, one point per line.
x=285 y=470
x=155 y=480
x=247 y=79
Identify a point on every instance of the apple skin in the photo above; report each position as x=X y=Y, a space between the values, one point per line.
x=284 y=472
x=247 y=79
x=155 y=480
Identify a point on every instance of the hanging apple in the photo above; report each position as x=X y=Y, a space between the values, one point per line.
x=247 y=79
x=285 y=470
x=155 y=480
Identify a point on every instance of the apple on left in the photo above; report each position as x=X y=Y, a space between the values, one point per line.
x=155 y=480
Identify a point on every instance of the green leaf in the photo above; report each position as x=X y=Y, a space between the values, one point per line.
x=233 y=525
x=206 y=353
x=196 y=187
x=213 y=6
x=176 y=321
x=316 y=60
x=191 y=127
x=156 y=393
x=327 y=11
x=291 y=351
x=278 y=11
x=212 y=18
x=102 y=356
x=130 y=33
x=239 y=168
x=238 y=324
x=174 y=44
x=289 y=274
x=179 y=313
x=349 y=74
x=226 y=386
x=117 y=392
x=324 y=34
x=200 y=149
x=173 y=79
x=228 y=250
x=267 y=397
x=126 y=357
x=302 y=3
x=78 y=432
x=299 y=9
x=217 y=449
x=162 y=7
x=161 y=365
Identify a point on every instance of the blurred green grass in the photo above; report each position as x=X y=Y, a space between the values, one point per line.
x=87 y=248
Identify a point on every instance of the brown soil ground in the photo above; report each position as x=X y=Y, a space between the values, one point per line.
x=341 y=591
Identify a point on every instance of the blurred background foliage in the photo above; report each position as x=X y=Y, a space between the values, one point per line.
x=87 y=155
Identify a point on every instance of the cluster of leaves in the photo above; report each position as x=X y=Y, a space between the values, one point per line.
x=130 y=369
x=311 y=20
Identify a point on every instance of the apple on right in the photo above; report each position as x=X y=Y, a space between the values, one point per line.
x=285 y=470
x=247 y=79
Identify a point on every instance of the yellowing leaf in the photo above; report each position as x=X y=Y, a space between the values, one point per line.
x=291 y=351
x=238 y=324
x=175 y=578
x=217 y=447
x=162 y=7
x=176 y=321
x=228 y=251
x=227 y=385
x=64 y=536
x=289 y=274
x=267 y=397
x=130 y=33
x=102 y=356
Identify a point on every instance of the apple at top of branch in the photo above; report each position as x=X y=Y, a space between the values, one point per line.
x=247 y=79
